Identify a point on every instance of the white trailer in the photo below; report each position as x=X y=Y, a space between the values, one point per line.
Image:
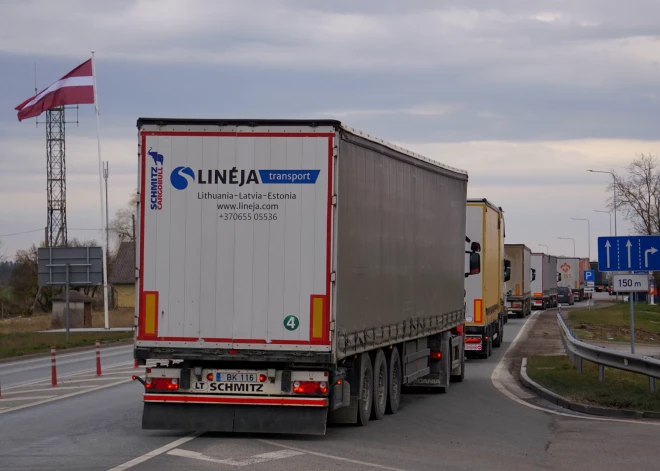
x=518 y=288
x=293 y=272
x=544 y=286
x=569 y=270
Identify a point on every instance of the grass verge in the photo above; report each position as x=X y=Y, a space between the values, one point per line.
x=27 y=343
x=612 y=323
x=621 y=389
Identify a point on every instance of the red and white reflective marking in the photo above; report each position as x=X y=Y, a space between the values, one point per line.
x=240 y=400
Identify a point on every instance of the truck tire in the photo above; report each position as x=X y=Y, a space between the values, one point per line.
x=394 y=381
x=380 y=386
x=459 y=378
x=500 y=331
x=365 y=390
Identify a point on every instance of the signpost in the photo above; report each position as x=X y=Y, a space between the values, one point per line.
x=70 y=266
x=633 y=284
x=632 y=254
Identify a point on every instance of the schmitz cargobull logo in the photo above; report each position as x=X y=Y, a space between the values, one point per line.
x=156 y=181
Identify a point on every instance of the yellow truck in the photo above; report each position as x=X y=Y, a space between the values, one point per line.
x=484 y=292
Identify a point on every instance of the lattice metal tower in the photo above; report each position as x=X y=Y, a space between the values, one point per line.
x=56 y=230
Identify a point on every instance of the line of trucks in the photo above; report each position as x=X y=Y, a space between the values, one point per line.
x=294 y=273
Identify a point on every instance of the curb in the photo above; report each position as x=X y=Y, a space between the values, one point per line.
x=66 y=350
x=583 y=408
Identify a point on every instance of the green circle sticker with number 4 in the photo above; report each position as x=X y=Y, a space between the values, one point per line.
x=291 y=322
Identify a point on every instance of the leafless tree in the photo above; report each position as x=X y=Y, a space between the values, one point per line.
x=121 y=226
x=3 y=252
x=638 y=194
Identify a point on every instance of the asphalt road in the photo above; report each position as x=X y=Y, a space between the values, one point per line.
x=38 y=369
x=473 y=426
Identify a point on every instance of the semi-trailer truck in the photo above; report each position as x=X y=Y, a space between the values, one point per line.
x=544 y=286
x=601 y=283
x=293 y=272
x=519 y=288
x=553 y=282
x=485 y=310
x=569 y=268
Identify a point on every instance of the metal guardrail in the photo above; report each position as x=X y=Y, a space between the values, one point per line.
x=578 y=350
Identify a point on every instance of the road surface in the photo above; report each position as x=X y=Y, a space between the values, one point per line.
x=473 y=426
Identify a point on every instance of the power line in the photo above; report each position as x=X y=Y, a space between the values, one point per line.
x=20 y=233
x=41 y=230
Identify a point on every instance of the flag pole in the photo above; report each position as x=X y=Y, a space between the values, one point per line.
x=103 y=228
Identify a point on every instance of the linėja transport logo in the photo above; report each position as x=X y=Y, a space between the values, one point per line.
x=156 y=180
x=182 y=177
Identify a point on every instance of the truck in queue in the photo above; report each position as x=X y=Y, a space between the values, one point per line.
x=293 y=273
x=569 y=268
x=519 y=287
x=485 y=295
x=544 y=285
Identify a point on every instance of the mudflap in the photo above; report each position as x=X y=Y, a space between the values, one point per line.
x=241 y=419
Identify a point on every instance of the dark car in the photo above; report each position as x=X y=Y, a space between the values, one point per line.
x=565 y=295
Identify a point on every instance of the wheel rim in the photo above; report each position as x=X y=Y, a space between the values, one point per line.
x=382 y=373
x=395 y=380
x=366 y=390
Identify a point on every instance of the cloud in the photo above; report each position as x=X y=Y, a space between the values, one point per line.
x=512 y=41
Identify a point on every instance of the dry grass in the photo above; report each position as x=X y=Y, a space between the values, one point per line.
x=118 y=318
x=613 y=323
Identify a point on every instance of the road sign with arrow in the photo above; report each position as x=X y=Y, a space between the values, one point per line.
x=632 y=253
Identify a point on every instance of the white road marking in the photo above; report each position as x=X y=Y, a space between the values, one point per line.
x=495 y=379
x=28 y=398
x=156 y=452
x=262 y=458
x=85 y=391
x=30 y=391
x=332 y=457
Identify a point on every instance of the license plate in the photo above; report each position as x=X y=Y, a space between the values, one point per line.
x=473 y=346
x=236 y=377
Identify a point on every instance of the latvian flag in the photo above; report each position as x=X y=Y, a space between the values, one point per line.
x=75 y=88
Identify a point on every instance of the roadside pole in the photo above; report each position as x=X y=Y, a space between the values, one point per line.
x=632 y=324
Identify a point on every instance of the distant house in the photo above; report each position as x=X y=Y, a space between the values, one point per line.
x=122 y=277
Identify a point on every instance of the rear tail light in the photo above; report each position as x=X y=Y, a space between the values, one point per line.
x=310 y=387
x=472 y=340
x=436 y=355
x=162 y=384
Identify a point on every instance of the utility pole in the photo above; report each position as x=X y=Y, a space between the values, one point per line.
x=106 y=174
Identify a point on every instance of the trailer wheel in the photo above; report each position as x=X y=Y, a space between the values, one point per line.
x=380 y=386
x=500 y=331
x=394 y=381
x=366 y=391
x=459 y=378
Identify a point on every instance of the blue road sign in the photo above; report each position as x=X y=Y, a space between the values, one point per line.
x=634 y=253
x=589 y=275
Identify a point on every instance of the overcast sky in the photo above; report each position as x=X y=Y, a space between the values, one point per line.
x=525 y=96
